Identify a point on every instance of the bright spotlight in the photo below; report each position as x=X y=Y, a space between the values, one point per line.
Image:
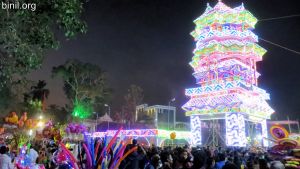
x=30 y=132
x=40 y=124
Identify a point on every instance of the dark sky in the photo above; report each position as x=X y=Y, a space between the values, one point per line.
x=147 y=42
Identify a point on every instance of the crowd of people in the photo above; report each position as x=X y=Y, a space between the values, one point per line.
x=154 y=157
x=36 y=155
x=199 y=158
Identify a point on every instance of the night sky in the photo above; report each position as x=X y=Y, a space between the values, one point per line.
x=147 y=43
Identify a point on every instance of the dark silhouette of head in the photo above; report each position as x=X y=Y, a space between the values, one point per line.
x=155 y=160
x=222 y=157
x=230 y=165
x=262 y=164
x=3 y=149
x=134 y=141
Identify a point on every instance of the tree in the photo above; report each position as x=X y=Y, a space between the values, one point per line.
x=117 y=117
x=99 y=106
x=25 y=35
x=19 y=87
x=57 y=113
x=12 y=97
x=85 y=85
x=34 y=100
x=39 y=93
x=133 y=98
x=5 y=101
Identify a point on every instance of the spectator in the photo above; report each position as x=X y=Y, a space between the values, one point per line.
x=167 y=160
x=210 y=163
x=263 y=164
x=221 y=162
x=276 y=165
x=133 y=160
x=5 y=160
x=155 y=162
x=183 y=160
x=33 y=154
x=229 y=165
x=236 y=159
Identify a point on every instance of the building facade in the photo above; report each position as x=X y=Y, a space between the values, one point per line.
x=163 y=117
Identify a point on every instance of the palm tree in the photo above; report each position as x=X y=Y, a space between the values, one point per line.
x=39 y=93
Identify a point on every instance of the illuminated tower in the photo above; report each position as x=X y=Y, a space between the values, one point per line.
x=224 y=64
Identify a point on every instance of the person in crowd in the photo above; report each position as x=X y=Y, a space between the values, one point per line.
x=255 y=163
x=43 y=157
x=263 y=164
x=221 y=162
x=133 y=160
x=276 y=165
x=167 y=160
x=200 y=159
x=249 y=164
x=210 y=163
x=229 y=165
x=184 y=159
x=155 y=162
x=5 y=160
x=33 y=154
x=237 y=159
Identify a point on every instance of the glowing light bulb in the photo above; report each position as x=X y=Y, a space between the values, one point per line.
x=30 y=132
x=40 y=124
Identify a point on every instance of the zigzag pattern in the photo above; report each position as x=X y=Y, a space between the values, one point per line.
x=215 y=87
x=201 y=61
x=215 y=102
x=223 y=72
x=256 y=49
x=228 y=34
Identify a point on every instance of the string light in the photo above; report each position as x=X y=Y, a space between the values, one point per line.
x=145 y=133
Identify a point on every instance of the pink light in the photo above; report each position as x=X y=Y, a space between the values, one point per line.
x=137 y=132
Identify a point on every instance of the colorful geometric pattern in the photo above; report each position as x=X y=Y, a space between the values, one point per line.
x=144 y=133
x=278 y=132
x=140 y=133
x=224 y=64
x=196 y=130
x=235 y=130
x=222 y=14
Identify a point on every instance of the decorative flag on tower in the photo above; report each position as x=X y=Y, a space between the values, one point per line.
x=224 y=64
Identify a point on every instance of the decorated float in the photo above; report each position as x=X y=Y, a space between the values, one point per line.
x=286 y=146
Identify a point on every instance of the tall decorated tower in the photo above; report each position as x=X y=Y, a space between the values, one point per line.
x=224 y=64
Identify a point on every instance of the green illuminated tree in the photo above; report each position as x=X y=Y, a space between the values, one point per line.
x=85 y=85
x=26 y=35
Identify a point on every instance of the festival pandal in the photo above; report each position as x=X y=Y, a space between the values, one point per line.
x=228 y=96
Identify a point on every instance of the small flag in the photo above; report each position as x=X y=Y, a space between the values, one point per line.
x=173 y=99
